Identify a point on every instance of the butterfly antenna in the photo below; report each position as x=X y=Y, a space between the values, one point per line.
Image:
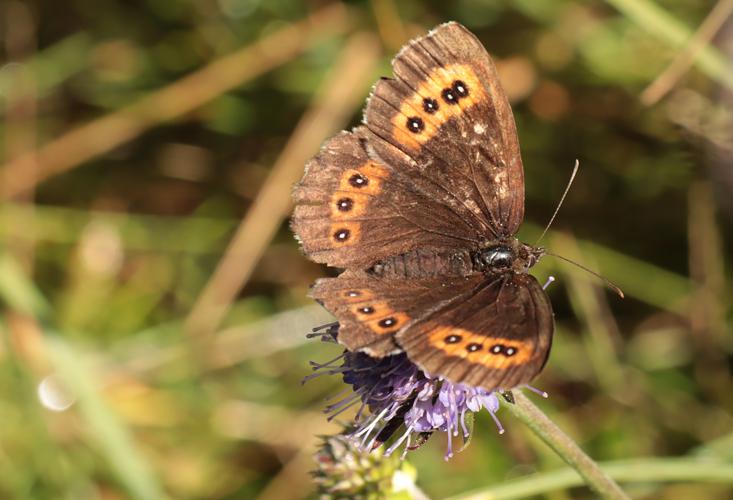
x=608 y=282
x=567 y=188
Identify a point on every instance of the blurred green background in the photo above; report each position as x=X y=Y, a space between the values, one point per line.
x=154 y=303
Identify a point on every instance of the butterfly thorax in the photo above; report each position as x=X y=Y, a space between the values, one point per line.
x=506 y=255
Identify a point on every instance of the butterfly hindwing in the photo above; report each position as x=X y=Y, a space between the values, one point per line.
x=445 y=118
x=497 y=337
x=371 y=309
x=353 y=210
x=487 y=331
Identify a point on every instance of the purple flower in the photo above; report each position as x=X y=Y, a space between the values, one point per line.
x=401 y=397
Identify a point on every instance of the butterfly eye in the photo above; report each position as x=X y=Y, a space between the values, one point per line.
x=497 y=349
x=358 y=181
x=473 y=347
x=342 y=235
x=452 y=339
x=366 y=310
x=430 y=105
x=510 y=351
x=345 y=204
x=460 y=88
x=415 y=124
x=353 y=293
x=449 y=96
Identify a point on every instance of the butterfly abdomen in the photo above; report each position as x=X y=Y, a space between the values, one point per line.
x=425 y=264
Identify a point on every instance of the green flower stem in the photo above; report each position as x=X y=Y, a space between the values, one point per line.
x=561 y=443
x=640 y=470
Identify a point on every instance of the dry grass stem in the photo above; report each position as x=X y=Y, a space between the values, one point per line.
x=342 y=91
x=271 y=425
x=19 y=124
x=190 y=92
x=279 y=332
x=390 y=25
x=684 y=60
x=293 y=481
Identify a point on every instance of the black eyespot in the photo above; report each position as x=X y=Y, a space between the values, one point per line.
x=449 y=96
x=510 y=351
x=353 y=293
x=452 y=339
x=473 y=347
x=345 y=204
x=366 y=310
x=460 y=89
x=342 y=235
x=430 y=105
x=358 y=181
x=387 y=322
x=415 y=124
x=497 y=349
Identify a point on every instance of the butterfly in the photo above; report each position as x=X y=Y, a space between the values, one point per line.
x=420 y=206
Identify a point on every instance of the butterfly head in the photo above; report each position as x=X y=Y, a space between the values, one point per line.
x=532 y=255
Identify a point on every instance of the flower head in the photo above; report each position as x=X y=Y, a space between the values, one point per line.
x=344 y=470
x=401 y=397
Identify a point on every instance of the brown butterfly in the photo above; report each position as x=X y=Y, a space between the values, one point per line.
x=421 y=206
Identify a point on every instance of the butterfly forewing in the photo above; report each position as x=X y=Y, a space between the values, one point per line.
x=353 y=210
x=445 y=118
